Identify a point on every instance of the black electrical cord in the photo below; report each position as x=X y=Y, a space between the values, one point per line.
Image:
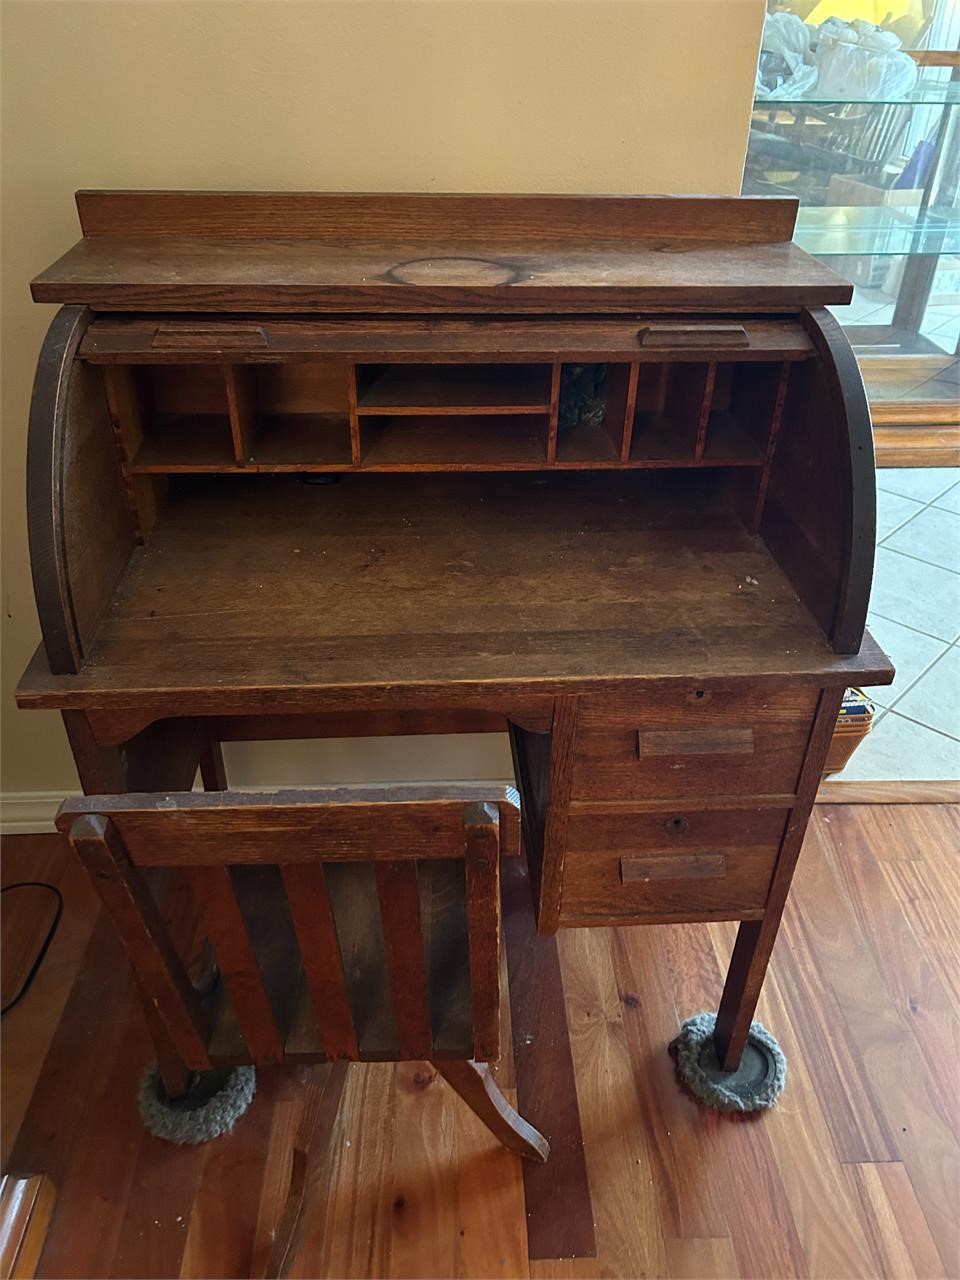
x=35 y=967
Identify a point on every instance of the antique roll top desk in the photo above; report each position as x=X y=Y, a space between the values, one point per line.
x=596 y=470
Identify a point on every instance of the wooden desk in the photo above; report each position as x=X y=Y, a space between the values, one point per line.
x=663 y=606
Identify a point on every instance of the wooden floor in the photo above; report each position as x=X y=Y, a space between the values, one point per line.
x=856 y=1173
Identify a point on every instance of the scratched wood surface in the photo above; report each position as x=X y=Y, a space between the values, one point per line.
x=854 y=1174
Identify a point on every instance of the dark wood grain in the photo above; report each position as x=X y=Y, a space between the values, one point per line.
x=596 y=886
x=79 y=522
x=216 y=901
x=482 y=865
x=319 y=946
x=463 y=254
x=159 y=969
x=232 y=828
x=273 y=343
x=371 y=216
x=615 y=580
x=406 y=960
x=559 y=790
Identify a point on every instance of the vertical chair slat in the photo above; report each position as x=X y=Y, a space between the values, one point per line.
x=316 y=931
x=161 y=975
x=483 y=925
x=217 y=901
x=406 y=961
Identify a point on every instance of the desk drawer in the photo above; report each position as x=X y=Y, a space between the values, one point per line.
x=692 y=742
x=698 y=864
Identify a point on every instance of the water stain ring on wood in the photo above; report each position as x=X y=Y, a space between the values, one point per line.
x=471 y=272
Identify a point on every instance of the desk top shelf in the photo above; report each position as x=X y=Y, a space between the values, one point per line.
x=303 y=252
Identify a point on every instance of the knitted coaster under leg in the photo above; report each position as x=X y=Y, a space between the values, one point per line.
x=211 y=1106
x=755 y=1085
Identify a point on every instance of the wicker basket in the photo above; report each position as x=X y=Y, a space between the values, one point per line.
x=853 y=724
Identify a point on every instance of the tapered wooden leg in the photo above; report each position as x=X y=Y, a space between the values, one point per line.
x=213 y=771
x=476 y=1086
x=741 y=991
x=755 y=938
x=174 y=1072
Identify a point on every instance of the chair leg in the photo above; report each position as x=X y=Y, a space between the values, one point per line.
x=476 y=1086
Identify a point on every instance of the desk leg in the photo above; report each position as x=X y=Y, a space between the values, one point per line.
x=755 y=938
x=213 y=771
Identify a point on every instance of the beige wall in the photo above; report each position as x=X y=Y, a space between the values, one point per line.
x=418 y=95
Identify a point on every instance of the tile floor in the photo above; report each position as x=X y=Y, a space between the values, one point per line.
x=915 y=617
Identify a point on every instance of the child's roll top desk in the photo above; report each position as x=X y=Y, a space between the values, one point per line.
x=598 y=470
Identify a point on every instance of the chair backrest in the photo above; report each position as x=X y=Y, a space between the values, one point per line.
x=357 y=923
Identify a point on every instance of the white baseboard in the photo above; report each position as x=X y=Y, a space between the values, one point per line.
x=27 y=813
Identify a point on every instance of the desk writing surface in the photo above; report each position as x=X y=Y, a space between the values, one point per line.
x=381 y=580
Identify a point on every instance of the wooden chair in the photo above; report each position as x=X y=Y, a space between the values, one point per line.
x=346 y=924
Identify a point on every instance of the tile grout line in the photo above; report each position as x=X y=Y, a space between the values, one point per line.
x=920 y=725
x=916 y=630
x=916 y=559
x=900 y=696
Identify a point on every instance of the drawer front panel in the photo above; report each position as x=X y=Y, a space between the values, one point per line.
x=692 y=742
x=641 y=867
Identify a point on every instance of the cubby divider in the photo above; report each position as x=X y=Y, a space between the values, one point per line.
x=331 y=414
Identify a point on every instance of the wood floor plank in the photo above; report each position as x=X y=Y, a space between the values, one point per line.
x=423 y=1237
x=626 y=1208
x=78 y=1125
x=163 y=1187
x=351 y=1235
x=740 y=1160
x=818 y=1194
x=691 y=1258
x=897 y=1073
x=29 y=1028
x=902 y=1247
x=565 y=1269
x=858 y=1125
x=492 y=1233
x=932 y=915
x=682 y=1138
x=223 y=1220
x=559 y=1210
x=912 y=981
x=278 y=1157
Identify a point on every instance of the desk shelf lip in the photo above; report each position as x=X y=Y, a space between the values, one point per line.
x=87 y=690
x=118 y=338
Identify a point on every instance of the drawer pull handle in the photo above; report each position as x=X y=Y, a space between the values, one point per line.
x=688 y=335
x=198 y=338
x=672 y=866
x=694 y=742
x=676 y=826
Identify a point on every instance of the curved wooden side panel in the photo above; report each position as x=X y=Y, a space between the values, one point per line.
x=79 y=522
x=820 y=514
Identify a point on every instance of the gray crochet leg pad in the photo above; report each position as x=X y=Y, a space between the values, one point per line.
x=213 y=1104
x=756 y=1084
